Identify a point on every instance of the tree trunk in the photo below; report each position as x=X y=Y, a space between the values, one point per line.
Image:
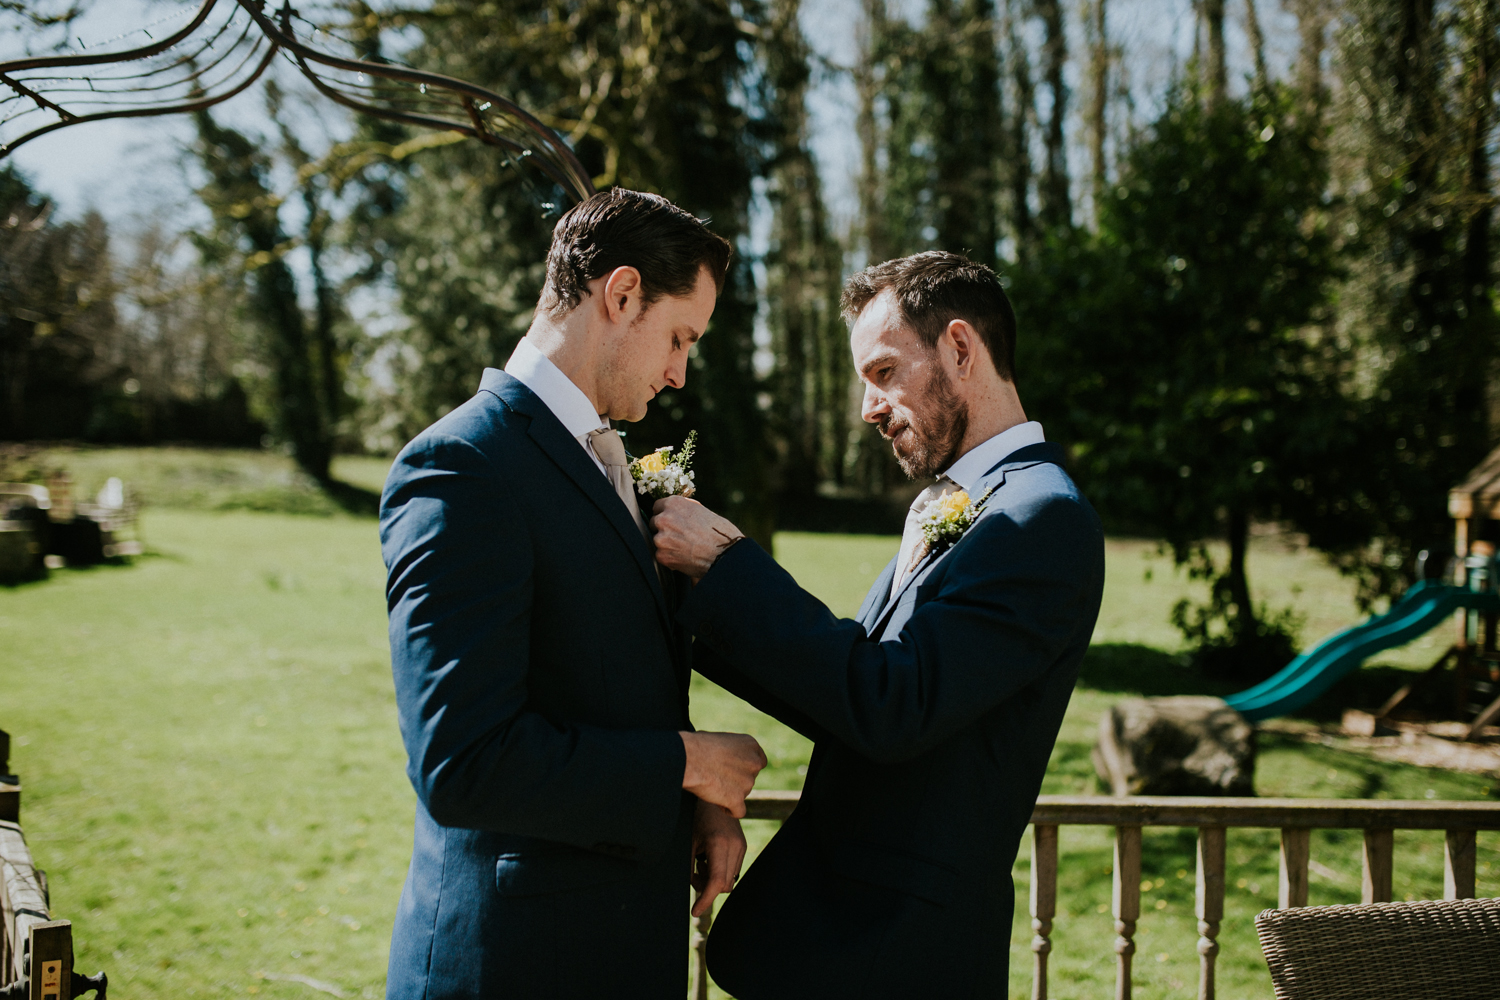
x=867 y=84
x=1312 y=31
x=238 y=179
x=961 y=76
x=1257 y=45
x=1217 y=71
x=1235 y=579
x=1099 y=78
x=1018 y=148
x=1057 y=204
x=326 y=312
x=1477 y=267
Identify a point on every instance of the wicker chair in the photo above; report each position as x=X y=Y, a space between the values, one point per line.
x=1439 y=950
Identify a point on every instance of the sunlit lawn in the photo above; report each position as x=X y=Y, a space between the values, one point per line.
x=214 y=781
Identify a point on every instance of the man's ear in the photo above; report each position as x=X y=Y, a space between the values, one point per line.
x=622 y=294
x=963 y=340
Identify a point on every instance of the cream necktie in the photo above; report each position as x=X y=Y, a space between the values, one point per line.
x=608 y=447
x=913 y=545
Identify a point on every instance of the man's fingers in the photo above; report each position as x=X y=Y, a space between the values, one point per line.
x=719 y=878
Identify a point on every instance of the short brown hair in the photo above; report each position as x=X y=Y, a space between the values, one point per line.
x=624 y=228
x=934 y=288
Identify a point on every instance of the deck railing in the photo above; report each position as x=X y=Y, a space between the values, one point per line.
x=32 y=944
x=1295 y=818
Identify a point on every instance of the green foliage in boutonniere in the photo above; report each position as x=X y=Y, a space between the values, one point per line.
x=944 y=520
x=662 y=474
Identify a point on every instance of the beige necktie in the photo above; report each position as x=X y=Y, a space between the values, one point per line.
x=913 y=545
x=606 y=444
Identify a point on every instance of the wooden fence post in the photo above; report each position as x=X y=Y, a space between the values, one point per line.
x=1380 y=845
x=1296 y=850
x=698 y=988
x=1127 y=903
x=1210 y=905
x=51 y=960
x=1458 y=865
x=1043 y=902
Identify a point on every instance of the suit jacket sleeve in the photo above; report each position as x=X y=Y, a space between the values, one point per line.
x=1019 y=590
x=724 y=673
x=459 y=594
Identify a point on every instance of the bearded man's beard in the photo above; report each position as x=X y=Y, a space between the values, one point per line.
x=938 y=429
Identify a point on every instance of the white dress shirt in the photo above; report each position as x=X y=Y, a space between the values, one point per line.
x=567 y=402
x=974 y=463
x=966 y=472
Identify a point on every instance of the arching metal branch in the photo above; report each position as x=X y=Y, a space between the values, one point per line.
x=225 y=48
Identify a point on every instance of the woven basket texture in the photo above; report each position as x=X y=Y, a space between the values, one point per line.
x=1437 y=950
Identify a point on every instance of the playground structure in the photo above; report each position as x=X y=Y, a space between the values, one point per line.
x=1468 y=586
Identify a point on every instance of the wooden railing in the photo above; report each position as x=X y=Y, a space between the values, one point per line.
x=1295 y=818
x=33 y=946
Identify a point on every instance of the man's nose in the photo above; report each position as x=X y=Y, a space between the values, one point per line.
x=875 y=404
x=676 y=374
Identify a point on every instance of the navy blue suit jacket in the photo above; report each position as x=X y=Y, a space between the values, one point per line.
x=540 y=686
x=933 y=716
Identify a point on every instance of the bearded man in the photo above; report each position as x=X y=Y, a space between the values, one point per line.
x=541 y=684
x=934 y=711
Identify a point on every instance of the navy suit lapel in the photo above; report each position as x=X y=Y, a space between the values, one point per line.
x=560 y=446
x=994 y=480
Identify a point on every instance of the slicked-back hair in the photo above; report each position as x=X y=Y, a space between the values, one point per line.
x=624 y=228
x=934 y=288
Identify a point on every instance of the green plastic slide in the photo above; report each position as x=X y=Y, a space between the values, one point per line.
x=1420 y=609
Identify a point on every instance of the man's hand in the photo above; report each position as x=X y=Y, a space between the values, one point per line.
x=689 y=536
x=718 y=853
x=721 y=768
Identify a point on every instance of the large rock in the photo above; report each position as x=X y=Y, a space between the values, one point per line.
x=1187 y=745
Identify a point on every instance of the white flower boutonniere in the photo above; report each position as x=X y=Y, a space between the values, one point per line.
x=662 y=474
x=944 y=520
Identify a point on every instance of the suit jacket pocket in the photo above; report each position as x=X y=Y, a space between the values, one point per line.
x=541 y=867
x=895 y=869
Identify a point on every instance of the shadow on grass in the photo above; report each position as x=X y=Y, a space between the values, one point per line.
x=353 y=499
x=1127 y=668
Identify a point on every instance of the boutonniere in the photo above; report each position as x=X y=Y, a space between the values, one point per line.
x=945 y=519
x=662 y=474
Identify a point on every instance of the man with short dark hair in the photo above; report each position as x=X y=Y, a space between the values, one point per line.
x=541 y=684
x=935 y=711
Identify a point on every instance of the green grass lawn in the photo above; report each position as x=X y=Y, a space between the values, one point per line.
x=214 y=781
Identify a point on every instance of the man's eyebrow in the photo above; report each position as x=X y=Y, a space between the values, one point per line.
x=689 y=334
x=876 y=363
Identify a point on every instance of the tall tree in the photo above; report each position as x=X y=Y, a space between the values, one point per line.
x=1099 y=57
x=867 y=81
x=1216 y=72
x=1057 y=205
x=1203 y=399
x=961 y=76
x=56 y=313
x=653 y=95
x=1022 y=105
x=803 y=271
x=1419 y=91
x=249 y=235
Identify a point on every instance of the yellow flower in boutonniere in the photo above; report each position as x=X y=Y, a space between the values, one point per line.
x=663 y=474
x=654 y=462
x=945 y=519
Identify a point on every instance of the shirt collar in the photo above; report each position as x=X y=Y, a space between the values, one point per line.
x=983 y=457
x=567 y=402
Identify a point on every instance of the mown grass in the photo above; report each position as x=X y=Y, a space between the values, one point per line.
x=214 y=781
